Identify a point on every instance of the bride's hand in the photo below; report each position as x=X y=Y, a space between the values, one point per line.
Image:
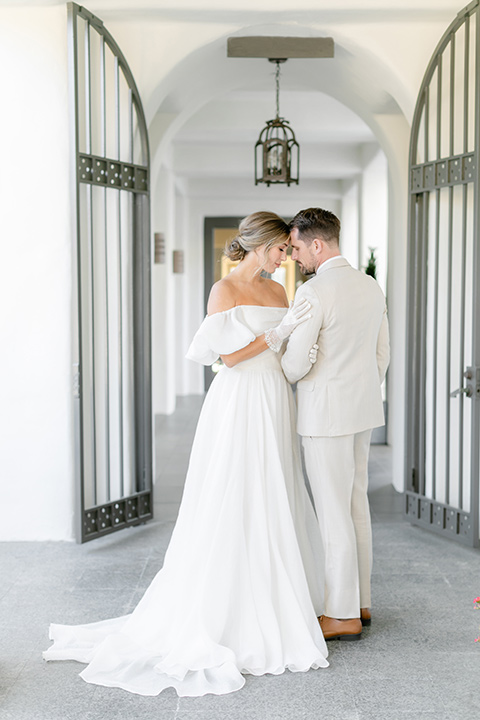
x=313 y=352
x=297 y=313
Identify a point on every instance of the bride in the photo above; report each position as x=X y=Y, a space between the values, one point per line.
x=239 y=591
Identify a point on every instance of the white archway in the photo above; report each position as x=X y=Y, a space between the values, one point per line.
x=357 y=80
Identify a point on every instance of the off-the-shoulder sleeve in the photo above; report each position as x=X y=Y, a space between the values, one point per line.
x=220 y=334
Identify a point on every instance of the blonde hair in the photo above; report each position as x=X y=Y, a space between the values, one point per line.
x=256 y=230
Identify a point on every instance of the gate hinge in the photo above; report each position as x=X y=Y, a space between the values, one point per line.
x=76 y=380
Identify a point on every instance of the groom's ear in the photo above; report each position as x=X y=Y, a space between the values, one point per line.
x=317 y=245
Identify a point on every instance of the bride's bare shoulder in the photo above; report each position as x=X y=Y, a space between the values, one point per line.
x=222 y=297
x=278 y=291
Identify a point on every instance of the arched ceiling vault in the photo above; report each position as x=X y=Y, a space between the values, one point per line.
x=211 y=108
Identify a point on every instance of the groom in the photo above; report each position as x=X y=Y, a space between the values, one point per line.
x=339 y=402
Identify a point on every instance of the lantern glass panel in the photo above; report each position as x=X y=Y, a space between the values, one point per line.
x=276 y=158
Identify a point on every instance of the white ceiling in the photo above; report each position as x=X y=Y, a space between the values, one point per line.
x=220 y=104
x=218 y=141
x=242 y=114
x=218 y=10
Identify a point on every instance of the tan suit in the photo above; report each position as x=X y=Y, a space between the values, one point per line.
x=339 y=402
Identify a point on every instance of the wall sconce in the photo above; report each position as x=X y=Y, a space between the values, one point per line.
x=159 y=248
x=178 y=262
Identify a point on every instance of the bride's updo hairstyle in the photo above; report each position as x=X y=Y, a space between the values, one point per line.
x=256 y=230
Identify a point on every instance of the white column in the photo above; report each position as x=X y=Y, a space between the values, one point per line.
x=374 y=212
x=163 y=297
x=350 y=219
x=36 y=388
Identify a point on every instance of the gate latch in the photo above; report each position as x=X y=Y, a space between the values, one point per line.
x=472 y=386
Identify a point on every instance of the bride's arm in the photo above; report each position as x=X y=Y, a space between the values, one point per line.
x=222 y=298
x=254 y=348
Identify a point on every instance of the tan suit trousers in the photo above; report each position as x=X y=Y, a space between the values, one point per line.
x=337 y=469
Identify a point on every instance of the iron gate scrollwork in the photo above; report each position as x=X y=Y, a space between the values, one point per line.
x=443 y=348
x=112 y=275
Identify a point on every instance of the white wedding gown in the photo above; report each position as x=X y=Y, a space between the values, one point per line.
x=239 y=591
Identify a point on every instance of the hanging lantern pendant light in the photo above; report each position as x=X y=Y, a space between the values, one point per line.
x=277 y=151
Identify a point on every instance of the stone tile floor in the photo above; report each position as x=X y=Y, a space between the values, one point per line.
x=418 y=661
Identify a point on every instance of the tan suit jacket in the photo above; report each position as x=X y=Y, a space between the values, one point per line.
x=340 y=394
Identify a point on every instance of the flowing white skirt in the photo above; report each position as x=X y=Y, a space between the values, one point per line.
x=239 y=591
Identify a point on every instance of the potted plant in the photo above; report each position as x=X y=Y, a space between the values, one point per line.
x=371 y=268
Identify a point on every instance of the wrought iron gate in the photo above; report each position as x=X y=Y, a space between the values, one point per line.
x=443 y=387
x=112 y=275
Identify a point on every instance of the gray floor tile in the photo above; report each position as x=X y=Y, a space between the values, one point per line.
x=330 y=714
x=387 y=714
x=41 y=693
x=169 y=494
x=117 y=704
x=418 y=660
x=252 y=695
x=398 y=695
x=253 y=713
x=328 y=693
x=166 y=512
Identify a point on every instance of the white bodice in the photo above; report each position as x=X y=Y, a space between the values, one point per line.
x=225 y=332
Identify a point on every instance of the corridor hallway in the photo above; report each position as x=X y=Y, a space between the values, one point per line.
x=418 y=661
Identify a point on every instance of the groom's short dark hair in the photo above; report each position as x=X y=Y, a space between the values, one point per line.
x=315 y=222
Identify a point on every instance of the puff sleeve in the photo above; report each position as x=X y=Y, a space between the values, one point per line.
x=220 y=334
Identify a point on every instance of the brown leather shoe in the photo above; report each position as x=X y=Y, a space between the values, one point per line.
x=365 y=616
x=334 y=629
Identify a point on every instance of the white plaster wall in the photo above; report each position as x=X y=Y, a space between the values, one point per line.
x=393 y=134
x=349 y=217
x=396 y=128
x=36 y=441
x=374 y=214
x=399 y=51
x=182 y=289
x=168 y=43
x=395 y=52
x=163 y=296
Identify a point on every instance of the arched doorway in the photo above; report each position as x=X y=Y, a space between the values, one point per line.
x=112 y=385
x=443 y=386
x=206 y=85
